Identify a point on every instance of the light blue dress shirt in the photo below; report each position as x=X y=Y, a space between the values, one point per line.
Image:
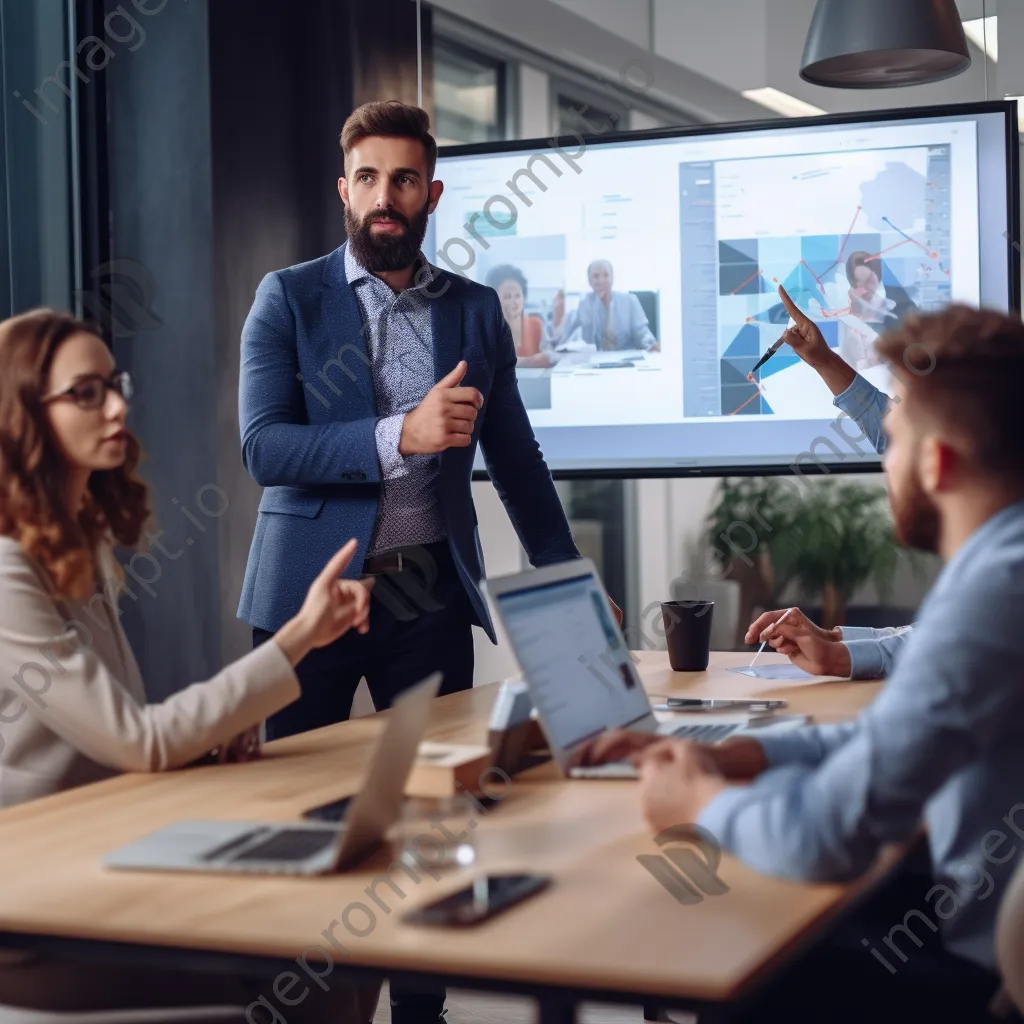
x=401 y=343
x=944 y=740
x=871 y=650
x=866 y=406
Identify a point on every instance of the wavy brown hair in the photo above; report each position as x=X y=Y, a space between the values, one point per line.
x=962 y=370
x=391 y=119
x=33 y=471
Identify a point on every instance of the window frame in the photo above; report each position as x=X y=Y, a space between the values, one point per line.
x=506 y=77
x=477 y=37
x=559 y=88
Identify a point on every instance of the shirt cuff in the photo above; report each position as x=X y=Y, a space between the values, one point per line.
x=857 y=632
x=866 y=661
x=388 y=434
x=857 y=398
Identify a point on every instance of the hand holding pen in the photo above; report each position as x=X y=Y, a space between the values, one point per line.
x=767 y=632
x=802 y=336
x=818 y=651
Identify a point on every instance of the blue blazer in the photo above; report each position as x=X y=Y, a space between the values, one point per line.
x=307 y=414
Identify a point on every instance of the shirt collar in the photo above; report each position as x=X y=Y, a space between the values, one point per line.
x=355 y=271
x=978 y=540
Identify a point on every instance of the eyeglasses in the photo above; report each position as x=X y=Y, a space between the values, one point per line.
x=91 y=392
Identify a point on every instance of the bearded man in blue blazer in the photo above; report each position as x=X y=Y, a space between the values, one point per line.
x=368 y=377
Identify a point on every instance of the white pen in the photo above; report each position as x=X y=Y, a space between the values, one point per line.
x=763 y=642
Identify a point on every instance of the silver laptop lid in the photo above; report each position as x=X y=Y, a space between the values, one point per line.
x=375 y=807
x=571 y=652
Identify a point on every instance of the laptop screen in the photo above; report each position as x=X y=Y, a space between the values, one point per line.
x=581 y=676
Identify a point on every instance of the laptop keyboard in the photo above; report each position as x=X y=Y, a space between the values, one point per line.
x=294 y=844
x=704 y=733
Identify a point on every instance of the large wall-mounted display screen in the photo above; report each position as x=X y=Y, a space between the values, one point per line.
x=639 y=274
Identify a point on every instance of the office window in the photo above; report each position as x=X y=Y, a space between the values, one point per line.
x=470 y=95
x=576 y=111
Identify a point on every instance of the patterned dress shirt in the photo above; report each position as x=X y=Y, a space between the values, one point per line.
x=400 y=338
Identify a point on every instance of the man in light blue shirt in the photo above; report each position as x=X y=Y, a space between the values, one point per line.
x=944 y=740
x=856 y=652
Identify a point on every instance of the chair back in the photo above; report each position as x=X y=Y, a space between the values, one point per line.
x=649 y=304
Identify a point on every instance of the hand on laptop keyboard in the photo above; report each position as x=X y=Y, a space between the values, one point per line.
x=614 y=745
x=738 y=758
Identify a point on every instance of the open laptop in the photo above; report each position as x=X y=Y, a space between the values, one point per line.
x=299 y=849
x=577 y=666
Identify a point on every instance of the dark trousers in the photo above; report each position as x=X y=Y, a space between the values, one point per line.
x=420 y=622
x=842 y=981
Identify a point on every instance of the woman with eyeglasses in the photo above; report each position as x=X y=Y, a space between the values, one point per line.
x=72 y=705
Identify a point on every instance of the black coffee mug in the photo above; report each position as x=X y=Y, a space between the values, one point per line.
x=688 y=634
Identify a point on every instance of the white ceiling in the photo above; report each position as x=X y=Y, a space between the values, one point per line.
x=973 y=8
x=747 y=44
x=706 y=52
x=630 y=17
x=630 y=20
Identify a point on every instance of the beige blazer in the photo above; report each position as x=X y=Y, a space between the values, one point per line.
x=72 y=705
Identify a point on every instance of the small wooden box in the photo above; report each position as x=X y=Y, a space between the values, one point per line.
x=439 y=766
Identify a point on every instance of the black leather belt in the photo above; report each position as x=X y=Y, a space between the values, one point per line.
x=384 y=564
x=389 y=562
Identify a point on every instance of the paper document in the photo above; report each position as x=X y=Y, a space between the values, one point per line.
x=771 y=672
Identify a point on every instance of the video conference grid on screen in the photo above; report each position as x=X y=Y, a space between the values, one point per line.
x=639 y=279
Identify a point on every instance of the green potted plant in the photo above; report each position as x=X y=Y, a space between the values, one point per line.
x=838 y=537
x=739 y=530
x=828 y=541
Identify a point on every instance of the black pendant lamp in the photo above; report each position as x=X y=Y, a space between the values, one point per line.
x=871 y=44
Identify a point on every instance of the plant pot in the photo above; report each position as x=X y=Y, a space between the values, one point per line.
x=833 y=606
x=766 y=570
x=755 y=585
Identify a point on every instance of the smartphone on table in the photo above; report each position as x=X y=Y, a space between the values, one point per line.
x=481 y=899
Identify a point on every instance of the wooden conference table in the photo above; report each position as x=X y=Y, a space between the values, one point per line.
x=605 y=930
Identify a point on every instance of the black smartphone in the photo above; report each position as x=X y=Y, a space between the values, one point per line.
x=481 y=899
x=334 y=811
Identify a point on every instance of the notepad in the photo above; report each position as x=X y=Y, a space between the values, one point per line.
x=771 y=672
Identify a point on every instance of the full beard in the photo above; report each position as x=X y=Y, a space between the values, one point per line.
x=386 y=252
x=916 y=521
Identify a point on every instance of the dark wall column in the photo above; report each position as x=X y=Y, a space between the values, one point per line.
x=284 y=78
x=161 y=241
x=383 y=52
x=280 y=89
x=36 y=233
x=223 y=155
